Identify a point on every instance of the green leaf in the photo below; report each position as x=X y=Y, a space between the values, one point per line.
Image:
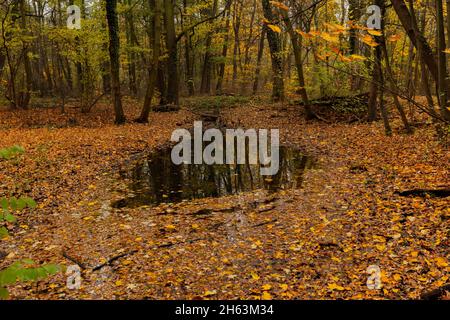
x=10 y=218
x=13 y=203
x=4 y=294
x=52 y=268
x=8 y=276
x=30 y=202
x=27 y=274
x=21 y=204
x=3 y=232
x=27 y=261
x=8 y=153
x=4 y=203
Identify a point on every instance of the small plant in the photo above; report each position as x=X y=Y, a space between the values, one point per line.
x=22 y=270
x=10 y=205
x=11 y=152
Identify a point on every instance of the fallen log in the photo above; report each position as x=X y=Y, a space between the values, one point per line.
x=166 y=108
x=435 y=294
x=111 y=260
x=340 y=108
x=339 y=101
x=439 y=193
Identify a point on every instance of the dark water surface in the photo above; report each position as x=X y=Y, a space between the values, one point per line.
x=155 y=179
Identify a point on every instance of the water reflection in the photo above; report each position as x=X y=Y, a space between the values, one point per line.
x=157 y=180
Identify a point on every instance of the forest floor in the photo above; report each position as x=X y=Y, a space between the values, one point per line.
x=310 y=243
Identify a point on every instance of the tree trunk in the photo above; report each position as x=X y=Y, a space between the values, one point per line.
x=113 y=30
x=188 y=57
x=275 y=54
x=258 y=61
x=297 y=47
x=205 y=86
x=26 y=94
x=131 y=56
x=172 y=62
x=156 y=40
x=416 y=36
x=443 y=83
x=224 y=50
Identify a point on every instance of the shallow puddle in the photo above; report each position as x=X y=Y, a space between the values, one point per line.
x=155 y=179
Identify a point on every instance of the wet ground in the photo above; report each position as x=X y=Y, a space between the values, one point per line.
x=155 y=179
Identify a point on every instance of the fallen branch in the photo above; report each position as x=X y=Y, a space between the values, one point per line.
x=436 y=293
x=74 y=260
x=440 y=193
x=110 y=261
x=264 y=223
x=171 y=244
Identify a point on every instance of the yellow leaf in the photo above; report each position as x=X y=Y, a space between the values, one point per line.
x=327 y=37
x=279 y=5
x=441 y=262
x=334 y=286
x=266 y=287
x=344 y=59
x=336 y=259
x=369 y=41
x=397 y=277
x=209 y=293
x=394 y=38
x=304 y=34
x=119 y=283
x=336 y=27
x=357 y=57
x=254 y=276
x=283 y=286
x=274 y=28
x=375 y=32
x=266 y=296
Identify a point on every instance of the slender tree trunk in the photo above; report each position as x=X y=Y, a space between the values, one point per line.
x=113 y=30
x=297 y=48
x=259 y=59
x=416 y=36
x=224 y=50
x=188 y=57
x=236 y=47
x=156 y=40
x=393 y=86
x=172 y=62
x=205 y=86
x=443 y=83
x=131 y=56
x=378 y=58
x=26 y=95
x=275 y=54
